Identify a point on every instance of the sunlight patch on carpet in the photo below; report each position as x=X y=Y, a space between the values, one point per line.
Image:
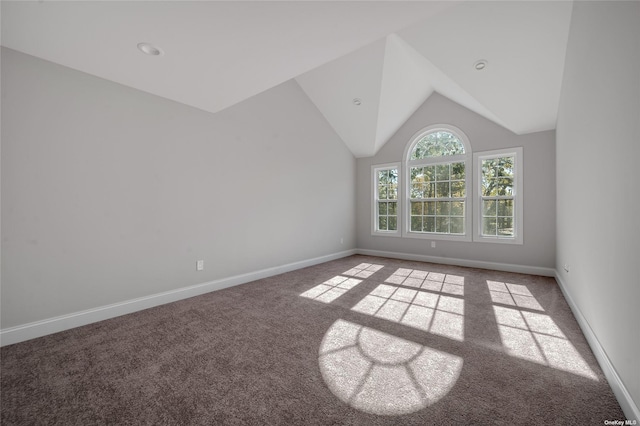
x=432 y=281
x=331 y=289
x=363 y=270
x=536 y=338
x=379 y=373
x=431 y=312
x=513 y=295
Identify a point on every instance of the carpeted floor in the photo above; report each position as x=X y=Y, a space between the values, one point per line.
x=360 y=340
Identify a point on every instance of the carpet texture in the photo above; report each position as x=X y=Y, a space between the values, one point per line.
x=360 y=340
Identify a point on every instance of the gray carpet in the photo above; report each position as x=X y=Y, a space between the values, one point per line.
x=360 y=340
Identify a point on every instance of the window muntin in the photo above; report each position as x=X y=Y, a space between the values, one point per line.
x=437 y=144
x=500 y=195
x=437 y=182
x=497 y=196
x=386 y=208
x=437 y=198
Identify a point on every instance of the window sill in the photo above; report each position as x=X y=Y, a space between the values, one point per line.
x=439 y=237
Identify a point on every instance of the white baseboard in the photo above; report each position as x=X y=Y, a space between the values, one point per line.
x=522 y=269
x=41 y=328
x=627 y=404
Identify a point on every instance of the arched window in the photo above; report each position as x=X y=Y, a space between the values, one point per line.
x=438 y=176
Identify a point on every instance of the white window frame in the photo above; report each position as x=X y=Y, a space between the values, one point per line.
x=408 y=164
x=374 y=206
x=518 y=200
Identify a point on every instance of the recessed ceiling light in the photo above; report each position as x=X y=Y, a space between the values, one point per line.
x=149 y=49
x=480 y=65
x=357 y=101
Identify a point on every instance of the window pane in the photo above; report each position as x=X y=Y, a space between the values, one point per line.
x=457 y=208
x=430 y=207
x=457 y=171
x=392 y=192
x=488 y=169
x=429 y=190
x=489 y=226
x=429 y=224
x=430 y=173
x=383 y=176
x=442 y=190
x=386 y=188
x=416 y=208
x=437 y=144
x=498 y=188
x=442 y=172
x=416 y=190
x=505 y=226
x=442 y=224
x=505 y=166
x=505 y=207
x=457 y=225
x=505 y=186
x=442 y=208
x=416 y=223
x=489 y=208
x=393 y=176
x=393 y=208
x=489 y=187
x=417 y=174
x=457 y=189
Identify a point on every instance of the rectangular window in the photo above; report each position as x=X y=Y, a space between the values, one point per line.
x=385 y=199
x=437 y=196
x=499 y=186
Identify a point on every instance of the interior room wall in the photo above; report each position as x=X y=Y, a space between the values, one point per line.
x=538 y=249
x=110 y=193
x=598 y=147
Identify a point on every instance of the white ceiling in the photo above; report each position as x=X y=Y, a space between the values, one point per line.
x=391 y=55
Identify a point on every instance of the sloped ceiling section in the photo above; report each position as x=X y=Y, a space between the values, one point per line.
x=216 y=53
x=390 y=55
x=523 y=44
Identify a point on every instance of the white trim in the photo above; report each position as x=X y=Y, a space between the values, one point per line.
x=407 y=164
x=374 y=199
x=434 y=128
x=518 y=204
x=35 y=329
x=629 y=407
x=521 y=269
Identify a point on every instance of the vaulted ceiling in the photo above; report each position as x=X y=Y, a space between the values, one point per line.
x=391 y=56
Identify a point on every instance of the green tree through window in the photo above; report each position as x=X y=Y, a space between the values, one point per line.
x=437 y=193
x=386 y=199
x=499 y=203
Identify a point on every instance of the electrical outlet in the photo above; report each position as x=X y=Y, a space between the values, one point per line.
x=433 y=244
x=566 y=268
x=341 y=240
x=199 y=265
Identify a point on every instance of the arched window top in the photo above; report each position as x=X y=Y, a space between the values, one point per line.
x=436 y=143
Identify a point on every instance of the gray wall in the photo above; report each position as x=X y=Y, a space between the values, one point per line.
x=538 y=249
x=598 y=147
x=109 y=193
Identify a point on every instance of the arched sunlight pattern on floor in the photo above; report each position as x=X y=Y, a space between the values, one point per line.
x=383 y=374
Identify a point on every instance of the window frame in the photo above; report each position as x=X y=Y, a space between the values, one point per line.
x=407 y=163
x=518 y=200
x=374 y=199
